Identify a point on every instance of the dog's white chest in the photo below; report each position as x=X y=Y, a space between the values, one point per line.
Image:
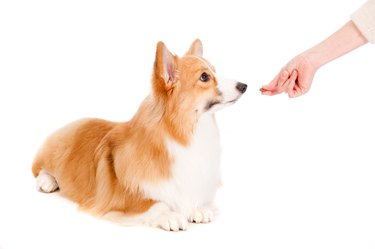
x=195 y=170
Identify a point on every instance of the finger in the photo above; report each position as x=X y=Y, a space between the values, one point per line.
x=284 y=75
x=270 y=86
x=280 y=78
x=298 y=89
x=290 y=89
x=293 y=77
x=268 y=93
x=296 y=92
x=286 y=83
x=263 y=90
x=282 y=81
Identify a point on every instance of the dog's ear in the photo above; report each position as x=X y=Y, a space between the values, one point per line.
x=165 y=64
x=196 y=48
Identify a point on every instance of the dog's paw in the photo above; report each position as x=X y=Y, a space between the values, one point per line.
x=46 y=183
x=202 y=215
x=170 y=221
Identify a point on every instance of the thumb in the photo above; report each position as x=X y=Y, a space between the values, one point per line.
x=277 y=82
x=272 y=85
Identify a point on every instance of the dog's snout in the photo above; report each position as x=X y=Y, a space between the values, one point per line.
x=241 y=87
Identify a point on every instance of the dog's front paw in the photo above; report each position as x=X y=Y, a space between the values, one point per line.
x=170 y=221
x=202 y=215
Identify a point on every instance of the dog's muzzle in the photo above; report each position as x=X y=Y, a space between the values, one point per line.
x=241 y=87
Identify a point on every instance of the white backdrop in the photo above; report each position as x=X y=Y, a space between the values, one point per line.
x=297 y=173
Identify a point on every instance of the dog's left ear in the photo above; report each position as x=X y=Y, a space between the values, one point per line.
x=196 y=48
x=165 y=64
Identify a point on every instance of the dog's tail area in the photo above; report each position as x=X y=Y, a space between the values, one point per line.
x=37 y=166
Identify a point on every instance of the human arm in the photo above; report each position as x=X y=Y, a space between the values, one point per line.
x=296 y=76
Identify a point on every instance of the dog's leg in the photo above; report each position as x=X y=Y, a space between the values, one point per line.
x=159 y=215
x=46 y=182
x=202 y=215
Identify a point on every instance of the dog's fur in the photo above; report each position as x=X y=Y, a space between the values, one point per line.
x=161 y=168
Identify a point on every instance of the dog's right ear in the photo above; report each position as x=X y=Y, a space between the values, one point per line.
x=165 y=65
x=196 y=48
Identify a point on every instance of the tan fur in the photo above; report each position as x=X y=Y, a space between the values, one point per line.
x=100 y=164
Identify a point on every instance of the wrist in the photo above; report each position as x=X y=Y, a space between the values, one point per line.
x=341 y=42
x=313 y=58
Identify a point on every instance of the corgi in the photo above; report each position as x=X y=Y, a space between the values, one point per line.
x=161 y=168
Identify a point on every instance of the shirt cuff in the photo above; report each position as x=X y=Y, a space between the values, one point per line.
x=364 y=19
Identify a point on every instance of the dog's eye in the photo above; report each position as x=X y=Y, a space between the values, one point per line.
x=204 y=77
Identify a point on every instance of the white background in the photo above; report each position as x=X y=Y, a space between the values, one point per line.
x=297 y=173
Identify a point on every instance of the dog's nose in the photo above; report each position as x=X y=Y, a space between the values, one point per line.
x=241 y=87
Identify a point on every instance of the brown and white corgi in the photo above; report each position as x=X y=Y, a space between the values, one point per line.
x=161 y=168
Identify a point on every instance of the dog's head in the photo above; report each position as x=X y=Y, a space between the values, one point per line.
x=190 y=84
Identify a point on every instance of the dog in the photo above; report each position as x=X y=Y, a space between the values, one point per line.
x=159 y=169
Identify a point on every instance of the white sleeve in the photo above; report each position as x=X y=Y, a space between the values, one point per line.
x=364 y=19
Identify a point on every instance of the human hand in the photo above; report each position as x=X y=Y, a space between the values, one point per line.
x=295 y=78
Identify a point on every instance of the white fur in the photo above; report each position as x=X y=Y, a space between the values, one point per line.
x=159 y=215
x=227 y=87
x=228 y=90
x=202 y=215
x=195 y=173
x=45 y=182
x=229 y=94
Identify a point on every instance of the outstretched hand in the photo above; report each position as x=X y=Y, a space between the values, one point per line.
x=294 y=79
